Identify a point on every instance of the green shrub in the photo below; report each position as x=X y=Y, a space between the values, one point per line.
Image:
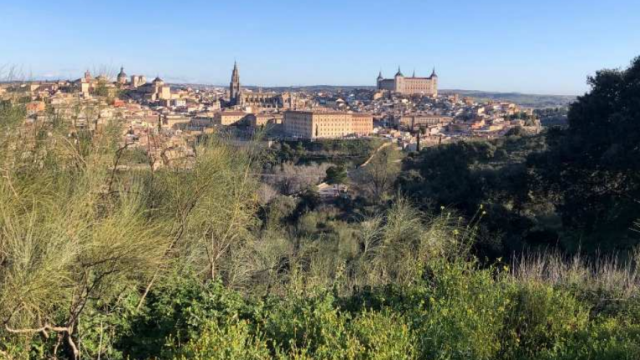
x=179 y=310
x=232 y=340
x=308 y=327
x=457 y=311
x=383 y=335
x=463 y=316
x=604 y=339
x=543 y=321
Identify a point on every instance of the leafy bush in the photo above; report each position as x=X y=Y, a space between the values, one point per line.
x=310 y=326
x=384 y=335
x=232 y=340
x=177 y=312
x=463 y=315
x=543 y=321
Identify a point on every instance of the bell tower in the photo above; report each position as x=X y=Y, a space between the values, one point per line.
x=234 y=86
x=379 y=80
x=434 y=82
x=399 y=81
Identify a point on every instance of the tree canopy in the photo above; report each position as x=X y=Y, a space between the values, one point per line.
x=593 y=166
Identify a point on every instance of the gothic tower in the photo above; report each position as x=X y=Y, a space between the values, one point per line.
x=399 y=81
x=434 y=82
x=234 y=87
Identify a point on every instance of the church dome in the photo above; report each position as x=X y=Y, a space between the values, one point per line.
x=122 y=74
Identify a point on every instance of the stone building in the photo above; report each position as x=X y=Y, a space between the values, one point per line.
x=264 y=119
x=270 y=101
x=88 y=84
x=361 y=124
x=137 y=81
x=409 y=85
x=411 y=121
x=259 y=101
x=229 y=117
x=326 y=124
x=155 y=90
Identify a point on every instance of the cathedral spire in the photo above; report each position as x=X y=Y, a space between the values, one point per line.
x=234 y=73
x=433 y=73
x=234 y=86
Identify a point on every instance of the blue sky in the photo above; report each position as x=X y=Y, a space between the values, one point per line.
x=540 y=46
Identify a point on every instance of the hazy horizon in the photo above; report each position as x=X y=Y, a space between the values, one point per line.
x=150 y=78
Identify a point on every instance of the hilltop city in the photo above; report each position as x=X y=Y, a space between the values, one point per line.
x=162 y=119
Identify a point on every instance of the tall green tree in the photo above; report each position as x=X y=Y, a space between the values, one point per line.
x=336 y=175
x=593 y=166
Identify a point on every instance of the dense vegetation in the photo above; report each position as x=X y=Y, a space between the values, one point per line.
x=552 y=116
x=576 y=187
x=336 y=151
x=194 y=261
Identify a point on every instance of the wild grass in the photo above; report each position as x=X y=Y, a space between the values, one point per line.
x=619 y=279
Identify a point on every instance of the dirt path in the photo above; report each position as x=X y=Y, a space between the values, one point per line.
x=375 y=152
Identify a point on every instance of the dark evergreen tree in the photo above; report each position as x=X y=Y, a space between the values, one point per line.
x=594 y=165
